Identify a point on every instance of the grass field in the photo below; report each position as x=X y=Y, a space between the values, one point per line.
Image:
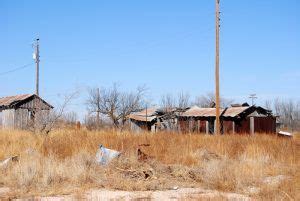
x=261 y=166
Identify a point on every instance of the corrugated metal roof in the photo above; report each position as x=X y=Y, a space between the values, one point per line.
x=149 y=111
x=196 y=111
x=141 y=116
x=11 y=100
x=234 y=111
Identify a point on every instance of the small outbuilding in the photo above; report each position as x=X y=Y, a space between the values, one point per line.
x=197 y=120
x=19 y=111
x=235 y=119
x=143 y=120
x=248 y=119
x=153 y=119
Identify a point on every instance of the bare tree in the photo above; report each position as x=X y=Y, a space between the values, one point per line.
x=45 y=121
x=168 y=102
x=70 y=117
x=268 y=104
x=209 y=98
x=183 y=100
x=94 y=105
x=115 y=104
x=288 y=112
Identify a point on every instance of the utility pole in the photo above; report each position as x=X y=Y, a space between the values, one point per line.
x=217 y=131
x=146 y=117
x=36 y=57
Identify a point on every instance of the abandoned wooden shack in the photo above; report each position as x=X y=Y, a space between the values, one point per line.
x=143 y=120
x=197 y=120
x=237 y=119
x=154 y=119
x=249 y=119
x=19 y=111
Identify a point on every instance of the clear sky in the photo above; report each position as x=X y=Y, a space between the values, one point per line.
x=169 y=45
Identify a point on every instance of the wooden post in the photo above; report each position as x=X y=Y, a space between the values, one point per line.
x=37 y=61
x=206 y=127
x=233 y=127
x=251 y=125
x=217 y=124
x=215 y=127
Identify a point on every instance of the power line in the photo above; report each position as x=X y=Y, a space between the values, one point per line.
x=17 y=69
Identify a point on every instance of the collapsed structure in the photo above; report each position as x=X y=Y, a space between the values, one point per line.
x=20 y=110
x=235 y=119
x=153 y=119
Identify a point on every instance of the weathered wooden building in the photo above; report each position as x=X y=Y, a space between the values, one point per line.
x=238 y=119
x=153 y=119
x=197 y=120
x=234 y=119
x=249 y=119
x=143 y=120
x=20 y=110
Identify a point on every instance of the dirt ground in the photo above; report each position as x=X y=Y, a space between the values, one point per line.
x=174 y=194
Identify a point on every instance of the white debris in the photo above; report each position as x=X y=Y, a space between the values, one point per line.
x=275 y=180
x=5 y=162
x=104 y=155
x=284 y=133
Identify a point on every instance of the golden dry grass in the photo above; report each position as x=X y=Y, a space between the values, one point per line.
x=262 y=166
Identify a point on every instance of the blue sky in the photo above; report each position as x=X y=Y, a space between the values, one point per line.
x=169 y=45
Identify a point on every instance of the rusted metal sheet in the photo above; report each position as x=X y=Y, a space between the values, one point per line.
x=144 y=115
x=142 y=118
x=196 y=111
x=234 y=111
x=149 y=112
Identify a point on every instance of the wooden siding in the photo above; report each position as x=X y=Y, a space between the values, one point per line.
x=265 y=124
x=35 y=103
x=20 y=116
x=227 y=127
x=8 y=118
x=192 y=126
x=242 y=126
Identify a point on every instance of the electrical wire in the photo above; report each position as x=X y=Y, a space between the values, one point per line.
x=17 y=69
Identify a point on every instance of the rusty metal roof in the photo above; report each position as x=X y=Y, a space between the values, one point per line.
x=144 y=115
x=196 y=111
x=234 y=111
x=142 y=118
x=149 y=111
x=12 y=100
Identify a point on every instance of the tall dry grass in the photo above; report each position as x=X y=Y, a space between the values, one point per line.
x=261 y=166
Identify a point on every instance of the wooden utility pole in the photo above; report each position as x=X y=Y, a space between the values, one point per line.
x=146 y=117
x=37 y=61
x=217 y=131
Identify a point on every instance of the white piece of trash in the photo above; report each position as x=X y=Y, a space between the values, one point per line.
x=284 y=133
x=105 y=155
